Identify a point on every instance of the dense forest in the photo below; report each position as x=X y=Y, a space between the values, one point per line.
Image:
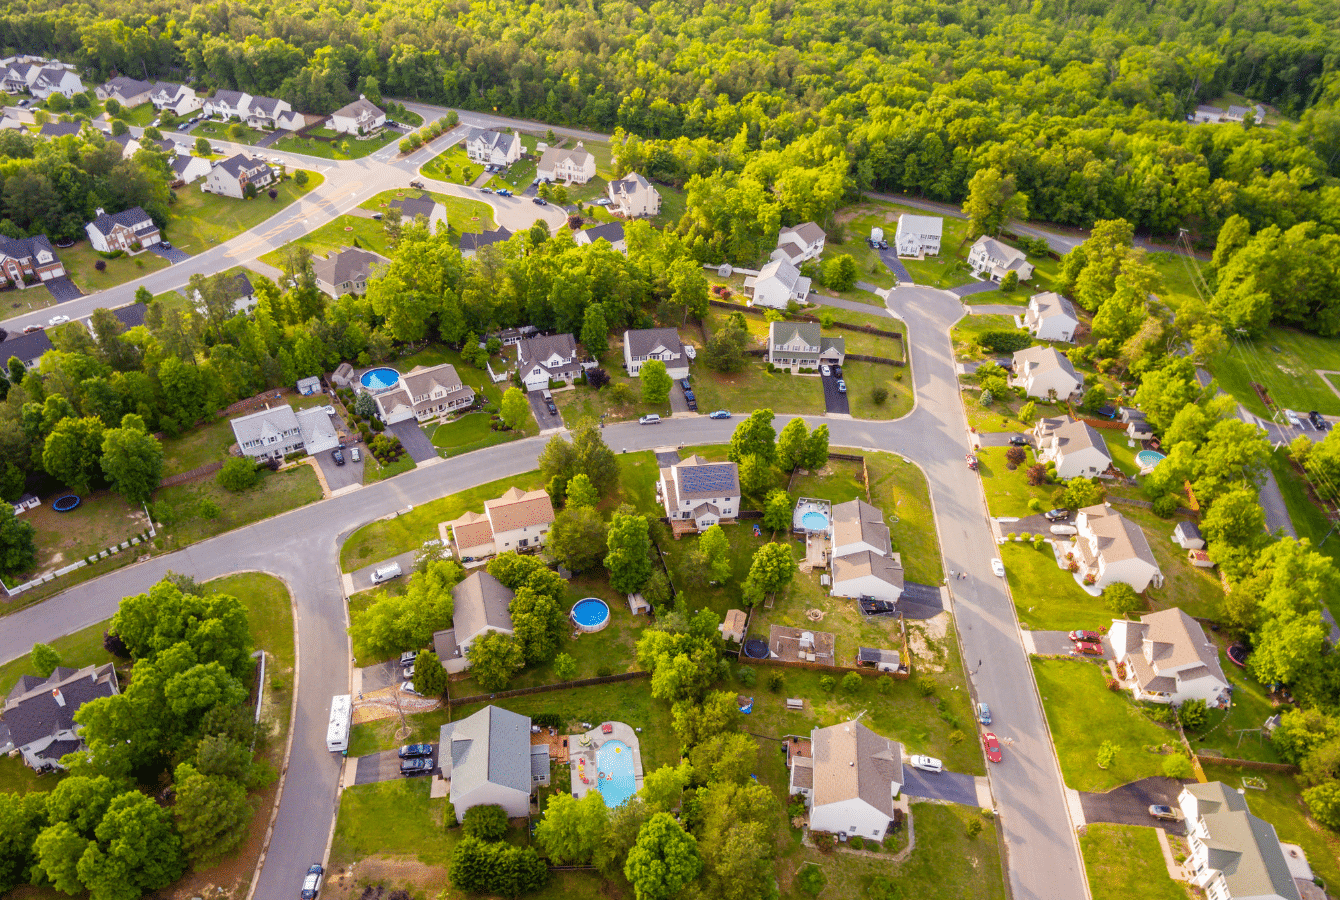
x=1083 y=102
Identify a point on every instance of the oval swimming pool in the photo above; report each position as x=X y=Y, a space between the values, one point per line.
x=591 y=614
x=814 y=521
x=382 y=378
x=1148 y=459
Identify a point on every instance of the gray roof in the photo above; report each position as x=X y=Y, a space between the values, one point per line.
x=277 y=421
x=630 y=185
x=361 y=106
x=1244 y=848
x=25 y=248
x=1186 y=530
x=851 y=762
x=131 y=315
x=490 y=747
x=1073 y=435
x=537 y=349
x=126 y=87
x=491 y=139
x=642 y=341
x=873 y=655
x=268 y=106
x=60 y=129
x=232 y=98
x=350 y=264
x=610 y=231
x=27 y=347
x=1042 y=359
x=539 y=760
x=782 y=271
x=887 y=569
x=1050 y=303
x=481 y=602
x=31 y=710
x=475 y=241
x=997 y=250
x=134 y=218
x=240 y=163
x=173 y=90
x=415 y=206
x=316 y=426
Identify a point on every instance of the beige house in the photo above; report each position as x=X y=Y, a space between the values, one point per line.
x=480 y=605
x=1169 y=660
x=346 y=272
x=424 y=394
x=360 y=117
x=1044 y=373
x=576 y=166
x=1051 y=317
x=992 y=259
x=1076 y=447
x=129 y=92
x=1112 y=548
x=633 y=197
x=850 y=780
x=801 y=345
x=515 y=521
x=732 y=627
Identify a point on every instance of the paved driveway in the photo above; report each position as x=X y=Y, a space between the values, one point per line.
x=172 y=255
x=62 y=289
x=362 y=578
x=384 y=766
x=678 y=402
x=272 y=137
x=999 y=438
x=548 y=421
x=977 y=287
x=338 y=477
x=835 y=401
x=954 y=787
x=384 y=674
x=1035 y=524
x=921 y=601
x=1129 y=804
x=896 y=267
x=414 y=441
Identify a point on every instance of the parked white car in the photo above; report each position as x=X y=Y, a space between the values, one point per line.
x=1064 y=529
x=927 y=763
x=1293 y=418
x=998 y=568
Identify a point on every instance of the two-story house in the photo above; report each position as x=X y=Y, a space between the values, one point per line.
x=471 y=244
x=801 y=345
x=60 y=129
x=231 y=177
x=800 y=243
x=1076 y=447
x=776 y=285
x=39 y=713
x=487 y=760
x=610 y=232
x=26 y=348
x=1112 y=548
x=547 y=358
x=992 y=259
x=492 y=148
x=1234 y=855
x=1051 y=317
x=360 y=117
x=347 y=271
x=272 y=433
x=849 y=781
x=698 y=494
x=28 y=260
x=918 y=235
x=178 y=99
x=55 y=80
x=1044 y=373
x=633 y=197
x=131 y=231
x=655 y=343
x=227 y=104
x=518 y=520
x=1206 y=114
x=575 y=166
x=862 y=560
x=425 y=394
x=129 y=92
x=1168 y=659
x=266 y=112
x=479 y=606
x=190 y=169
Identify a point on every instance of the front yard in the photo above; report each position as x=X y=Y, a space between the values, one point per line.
x=347 y=147
x=201 y=220
x=1046 y=597
x=1007 y=489
x=203 y=508
x=81 y=263
x=1125 y=861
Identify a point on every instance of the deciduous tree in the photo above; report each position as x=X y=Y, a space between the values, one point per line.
x=716 y=550
x=755 y=436
x=792 y=444
x=515 y=409
x=773 y=567
x=578 y=537
x=656 y=383
x=212 y=814
x=628 y=560
x=777 y=512
x=663 y=861
x=494 y=659
x=132 y=459
x=573 y=830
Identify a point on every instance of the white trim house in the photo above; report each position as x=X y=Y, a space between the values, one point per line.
x=1043 y=372
x=1112 y=548
x=776 y=285
x=1168 y=659
x=655 y=343
x=992 y=259
x=1076 y=447
x=918 y=235
x=850 y=780
x=1234 y=854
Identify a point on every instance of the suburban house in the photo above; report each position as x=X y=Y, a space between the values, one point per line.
x=1137 y=426
x=698 y=494
x=1236 y=113
x=38 y=720
x=862 y=561
x=801 y=345
x=473 y=243
x=425 y=207
x=25 y=260
x=655 y=343
x=21 y=506
x=1187 y=536
x=1051 y=317
x=1168 y=659
x=269 y=434
x=55 y=80
x=1044 y=373
x=849 y=780
x=800 y=243
x=231 y=177
x=129 y=92
x=480 y=605
x=360 y=117
x=1076 y=447
x=1234 y=855
x=130 y=230
x=1112 y=548
x=776 y=285
x=610 y=232
x=918 y=235
x=575 y=166
x=346 y=272
x=515 y=521
x=237 y=289
x=190 y=169
x=26 y=348
x=633 y=197
x=129 y=146
x=487 y=760
x=318 y=431
x=492 y=148
x=177 y=99
x=990 y=258
x=266 y=112
x=1206 y=114
x=425 y=393
x=227 y=104
x=547 y=358
x=60 y=129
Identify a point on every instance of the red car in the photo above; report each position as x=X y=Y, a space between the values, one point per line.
x=1087 y=648
x=991 y=746
x=1093 y=636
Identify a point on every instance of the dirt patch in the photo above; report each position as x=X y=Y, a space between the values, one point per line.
x=925 y=641
x=384 y=878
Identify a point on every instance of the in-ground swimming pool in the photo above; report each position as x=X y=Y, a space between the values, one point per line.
x=814 y=521
x=1148 y=459
x=614 y=763
x=591 y=614
x=381 y=378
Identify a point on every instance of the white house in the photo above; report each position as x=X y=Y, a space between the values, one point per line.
x=850 y=780
x=575 y=166
x=39 y=713
x=272 y=433
x=610 y=232
x=479 y=606
x=55 y=80
x=238 y=289
x=231 y=176
x=347 y=271
x=177 y=99
x=1168 y=659
x=547 y=358
x=801 y=345
x=633 y=197
x=1234 y=855
x=266 y=112
x=318 y=431
x=1236 y=113
x=129 y=92
x=424 y=394
x=918 y=235
x=492 y=148
x=655 y=343
x=487 y=760
x=518 y=520
x=131 y=231
x=1187 y=536
x=360 y=117
x=1044 y=373
x=776 y=285
x=227 y=104
x=992 y=259
x=1206 y=114
x=1076 y=447
x=1051 y=317
x=700 y=492
x=862 y=560
x=800 y=243
x=1137 y=426
x=26 y=348
x=1112 y=548
x=190 y=169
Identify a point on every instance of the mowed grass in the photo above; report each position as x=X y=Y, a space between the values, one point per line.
x=101 y=519
x=81 y=261
x=1285 y=362
x=1083 y=714
x=346 y=147
x=469 y=432
x=1125 y=861
x=202 y=508
x=201 y=220
x=269 y=612
x=966 y=332
x=334 y=236
x=366 y=810
x=1046 y=597
x=1008 y=490
x=450 y=164
x=1309 y=520
x=1196 y=590
x=899 y=488
x=463 y=214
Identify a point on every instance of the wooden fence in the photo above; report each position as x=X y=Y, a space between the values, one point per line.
x=545 y=688
x=1247 y=764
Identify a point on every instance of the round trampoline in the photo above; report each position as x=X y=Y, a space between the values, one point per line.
x=814 y=521
x=755 y=648
x=591 y=614
x=382 y=378
x=66 y=503
x=1148 y=459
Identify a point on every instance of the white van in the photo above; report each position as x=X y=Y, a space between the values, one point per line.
x=386 y=573
x=651 y=419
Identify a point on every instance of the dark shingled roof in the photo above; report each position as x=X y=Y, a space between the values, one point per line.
x=34 y=713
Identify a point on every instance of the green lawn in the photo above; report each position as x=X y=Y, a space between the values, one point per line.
x=365 y=811
x=194 y=448
x=200 y=219
x=1233 y=731
x=202 y=508
x=1284 y=361
x=216 y=129
x=269 y=613
x=448 y=165
x=80 y=263
x=477 y=379
x=140 y=115
x=965 y=333
x=741 y=391
x=1125 y=861
x=463 y=214
x=102 y=519
x=1046 y=597
x=344 y=231
x=357 y=148
x=899 y=488
x=584 y=403
x=1008 y=490
x=674 y=203
x=374 y=471
x=470 y=432
x=1082 y=714
x=82 y=648
x=1196 y=590
x=1309 y=520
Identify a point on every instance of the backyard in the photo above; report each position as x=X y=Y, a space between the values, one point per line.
x=102 y=518
x=1125 y=861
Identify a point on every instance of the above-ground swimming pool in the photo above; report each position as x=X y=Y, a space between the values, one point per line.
x=814 y=521
x=382 y=378
x=591 y=614
x=616 y=781
x=1148 y=459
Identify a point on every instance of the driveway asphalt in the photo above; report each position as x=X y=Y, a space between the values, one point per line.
x=977 y=287
x=172 y=254
x=415 y=442
x=362 y=578
x=1034 y=524
x=921 y=601
x=547 y=421
x=896 y=267
x=678 y=402
x=1051 y=643
x=384 y=766
x=273 y=137
x=382 y=675
x=338 y=477
x=999 y=438
x=1129 y=804
x=953 y=787
x=62 y=289
x=835 y=401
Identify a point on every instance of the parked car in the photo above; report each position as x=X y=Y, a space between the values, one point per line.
x=32 y=328
x=927 y=763
x=991 y=745
x=1018 y=440
x=410 y=767
x=166 y=245
x=416 y=184
x=1167 y=813
x=377 y=217
x=392 y=123
x=1087 y=648
x=486 y=190
x=691 y=400
x=183 y=126
x=719 y=414
x=651 y=419
x=338 y=455
x=25 y=102
x=826 y=371
x=1318 y=422
x=408 y=657
x=383 y=574
x=216 y=150
x=998 y=568
x=311 y=885
x=1064 y=529
x=416 y=751
x=58 y=320
x=1091 y=636
x=504 y=192
x=984 y=714
x=1293 y=418
x=355 y=454
x=837 y=371
x=841 y=386
x=549 y=405
x=539 y=201
x=684 y=383
x=408 y=673
x=603 y=201
x=408 y=688
x=1056 y=515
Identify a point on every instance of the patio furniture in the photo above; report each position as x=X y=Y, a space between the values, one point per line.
x=607 y=728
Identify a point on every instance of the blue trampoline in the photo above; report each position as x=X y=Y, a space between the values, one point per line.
x=614 y=765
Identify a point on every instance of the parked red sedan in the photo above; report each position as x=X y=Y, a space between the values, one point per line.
x=991 y=746
x=1093 y=636
x=1087 y=648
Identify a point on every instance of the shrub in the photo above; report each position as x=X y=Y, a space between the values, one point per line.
x=1177 y=766
x=1194 y=714
x=746 y=675
x=974 y=824
x=1003 y=341
x=857 y=842
x=824 y=843
x=100 y=265
x=300 y=177
x=776 y=682
x=1166 y=506
x=1015 y=456
x=828 y=682
x=1034 y=504
x=879 y=395
x=957 y=737
x=1037 y=475
x=208 y=509
x=239 y=473
x=1107 y=754
x=811 y=878
x=851 y=683
x=488 y=823
x=925 y=688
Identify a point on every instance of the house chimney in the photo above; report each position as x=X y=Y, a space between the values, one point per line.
x=58 y=697
x=100 y=212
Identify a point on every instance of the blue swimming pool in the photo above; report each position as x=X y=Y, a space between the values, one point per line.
x=380 y=379
x=814 y=521
x=614 y=762
x=591 y=614
x=1148 y=459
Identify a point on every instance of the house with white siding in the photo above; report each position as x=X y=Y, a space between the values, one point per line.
x=492 y=148
x=347 y=271
x=1051 y=317
x=850 y=780
x=479 y=606
x=360 y=117
x=177 y=99
x=642 y=344
x=918 y=235
x=1112 y=548
x=1234 y=854
x=518 y=520
x=1044 y=373
x=1168 y=659
x=776 y=285
x=800 y=243
x=801 y=345
x=130 y=231
x=425 y=394
x=633 y=197
x=486 y=759
x=1076 y=447
x=993 y=259
x=38 y=721
x=610 y=232
x=55 y=80
x=272 y=433
x=700 y=493
x=129 y=92
x=546 y=358
x=575 y=166
x=862 y=560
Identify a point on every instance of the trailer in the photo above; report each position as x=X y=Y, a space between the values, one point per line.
x=341 y=721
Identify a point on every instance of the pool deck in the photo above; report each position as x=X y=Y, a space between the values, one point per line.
x=595 y=738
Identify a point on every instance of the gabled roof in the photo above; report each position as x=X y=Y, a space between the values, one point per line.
x=857 y=521
x=996 y=250
x=25 y=346
x=360 y=107
x=852 y=762
x=476 y=241
x=171 y=90
x=60 y=129
x=25 y=248
x=423 y=381
x=239 y=164
x=491 y=139
x=32 y=711
x=887 y=569
x=126 y=87
x=481 y=602
x=539 y=348
x=472 y=529
x=697 y=479
x=779 y=270
x=1178 y=641
x=554 y=155
x=1118 y=537
x=316 y=427
x=266 y=106
x=518 y=509
x=273 y=422
x=490 y=747
x=784 y=332
x=807 y=233
x=1039 y=360
x=1244 y=848
x=1050 y=303
x=350 y=264
x=134 y=218
x=1187 y=531
x=132 y=315
x=642 y=341
x=610 y=231
x=1073 y=435
x=630 y=185
x=231 y=98
x=927 y=225
x=410 y=207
